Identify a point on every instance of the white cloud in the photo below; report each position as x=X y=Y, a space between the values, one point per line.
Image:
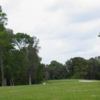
x=88 y=4
x=65 y=28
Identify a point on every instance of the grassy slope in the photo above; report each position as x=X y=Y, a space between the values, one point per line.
x=53 y=90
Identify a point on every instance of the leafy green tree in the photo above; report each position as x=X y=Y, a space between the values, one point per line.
x=5 y=47
x=94 y=68
x=57 y=70
x=3 y=19
x=33 y=61
x=77 y=67
x=5 y=43
x=29 y=45
x=41 y=73
x=18 y=56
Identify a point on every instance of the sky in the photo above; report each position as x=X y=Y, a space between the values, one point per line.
x=65 y=28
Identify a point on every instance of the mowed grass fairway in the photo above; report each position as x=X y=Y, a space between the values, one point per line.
x=53 y=90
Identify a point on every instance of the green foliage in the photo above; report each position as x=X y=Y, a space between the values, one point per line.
x=57 y=70
x=3 y=17
x=18 y=56
x=83 y=69
x=5 y=45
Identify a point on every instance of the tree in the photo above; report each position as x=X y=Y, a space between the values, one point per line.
x=5 y=43
x=33 y=61
x=29 y=46
x=18 y=56
x=5 y=47
x=3 y=19
x=77 y=67
x=94 y=68
x=57 y=70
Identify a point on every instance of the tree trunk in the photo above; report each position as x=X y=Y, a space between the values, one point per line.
x=30 y=80
x=2 y=71
x=11 y=82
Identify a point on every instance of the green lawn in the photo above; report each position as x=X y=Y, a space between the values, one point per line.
x=53 y=90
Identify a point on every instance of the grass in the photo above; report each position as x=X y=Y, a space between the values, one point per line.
x=53 y=90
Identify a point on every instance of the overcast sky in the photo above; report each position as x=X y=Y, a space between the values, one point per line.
x=66 y=28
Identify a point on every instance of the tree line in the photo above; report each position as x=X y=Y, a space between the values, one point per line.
x=75 y=68
x=19 y=60
x=21 y=64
